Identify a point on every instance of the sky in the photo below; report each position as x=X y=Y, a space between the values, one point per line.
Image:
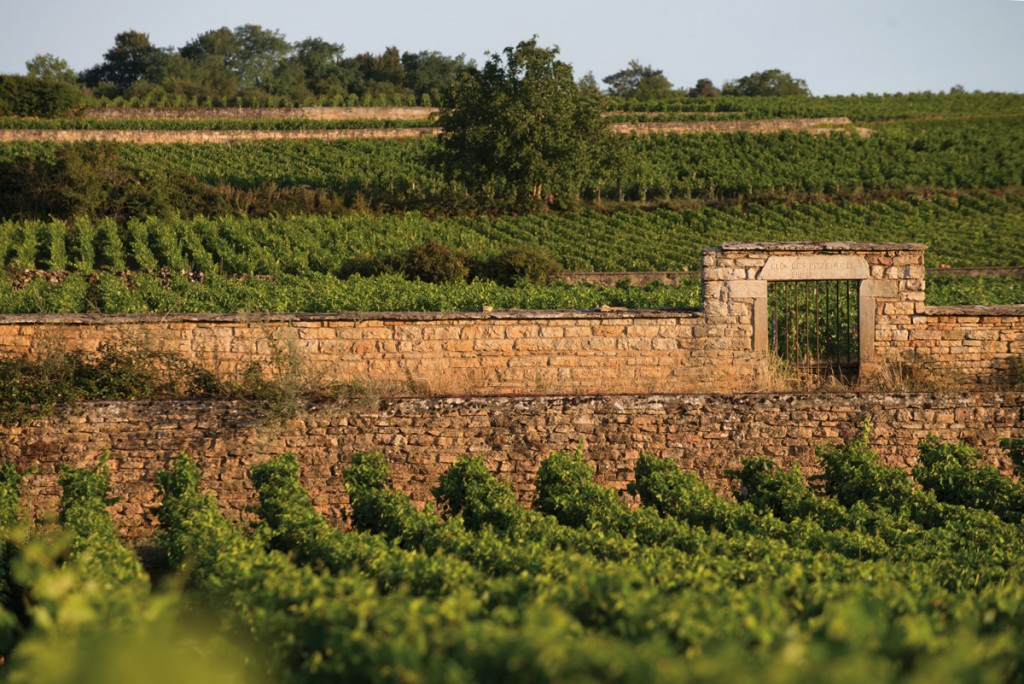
x=838 y=48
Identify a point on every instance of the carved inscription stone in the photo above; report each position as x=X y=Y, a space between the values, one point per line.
x=815 y=267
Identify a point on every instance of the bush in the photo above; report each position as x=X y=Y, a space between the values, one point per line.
x=661 y=484
x=468 y=489
x=26 y=96
x=435 y=262
x=853 y=473
x=566 y=489
x=953 y=473
x=770 y=488
x=523 y=263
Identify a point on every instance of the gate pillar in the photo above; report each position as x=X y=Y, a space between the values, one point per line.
x=889 y=277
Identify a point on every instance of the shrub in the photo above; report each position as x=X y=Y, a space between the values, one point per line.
x=435 y=262
x=26 y=96
x=853 y=473
x=770 y=488
x=468 y=489
x=523 y=263
x=661 y=485
x=952 y=472
x=566 y=489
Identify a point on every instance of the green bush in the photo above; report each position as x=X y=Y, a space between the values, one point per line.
x=566 y=490
x=854 y=473
x=770 y=488
x=468 y=489
x=662 y=485
x=26 y=96
x=435 y=262
x=522 y=263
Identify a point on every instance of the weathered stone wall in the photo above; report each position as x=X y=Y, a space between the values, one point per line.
x=153 y=137
x=149 y=137
x=706 y=434
x=969 y=344
x=722 y=347
x=500 y=352
x=312 y=113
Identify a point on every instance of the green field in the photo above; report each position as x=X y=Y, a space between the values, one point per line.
x=304 y=263
x=126 y=227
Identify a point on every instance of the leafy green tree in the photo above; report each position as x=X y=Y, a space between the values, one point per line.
x=432 y=72
x=260 y=52
x=704 y=88
x=521 y=128
x=770 y=82
x=47 y=67
x=638 y=82
x=324 y=70
x=125 y=63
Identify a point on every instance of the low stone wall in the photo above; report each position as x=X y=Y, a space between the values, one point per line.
x=311 y=113
x=971 y=344
x=705 y=434
x=481 y=353
x=150 y=137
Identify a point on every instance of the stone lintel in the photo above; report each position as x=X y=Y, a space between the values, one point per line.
x=815 y=267
x=820 y=247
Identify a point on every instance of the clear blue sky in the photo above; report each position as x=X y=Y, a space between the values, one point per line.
x=837 y=47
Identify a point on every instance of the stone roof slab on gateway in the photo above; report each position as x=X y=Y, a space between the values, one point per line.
x=819 y=247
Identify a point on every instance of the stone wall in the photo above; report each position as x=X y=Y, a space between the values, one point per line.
x=499 y=352
x=722 y=347
x=968 y=344
x=311 y=113
x=706 y=434
x=148 y=137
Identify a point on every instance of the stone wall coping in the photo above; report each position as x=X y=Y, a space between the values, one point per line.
x=976 y=310
x=819 y=247
x=605 y=313
x=622 y=401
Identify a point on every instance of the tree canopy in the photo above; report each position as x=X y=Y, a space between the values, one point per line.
x=638 y=82
x=521 y=128
x=770 y=82
x=259 y=65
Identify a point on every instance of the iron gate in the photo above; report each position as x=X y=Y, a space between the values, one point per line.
x=813 y=324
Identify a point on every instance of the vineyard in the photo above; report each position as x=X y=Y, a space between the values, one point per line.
x=869 y=571
x=284 y=177
x=852 y=571
x=315 y=263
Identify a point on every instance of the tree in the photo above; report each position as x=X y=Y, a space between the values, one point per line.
x=431 y=72
x=126 y=62
x=521 y=128
x=704 y=88
x=48 y=67
x=638 y=82
x=260 y=51
x=770 y=82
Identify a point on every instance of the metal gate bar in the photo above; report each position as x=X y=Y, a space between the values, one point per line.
x=813 y=323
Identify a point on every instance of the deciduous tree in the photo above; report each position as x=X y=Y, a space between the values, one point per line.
x=638 y=82
x=522 y=128
x=770 y=82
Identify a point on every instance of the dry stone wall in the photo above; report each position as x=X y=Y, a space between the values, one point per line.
x=707 y=434
x=501 y=352
x=722 y=347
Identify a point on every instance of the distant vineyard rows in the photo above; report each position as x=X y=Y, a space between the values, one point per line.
x=312 y=176
x=978 y=229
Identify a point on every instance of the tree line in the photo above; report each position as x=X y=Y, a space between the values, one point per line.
x=252 y=65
